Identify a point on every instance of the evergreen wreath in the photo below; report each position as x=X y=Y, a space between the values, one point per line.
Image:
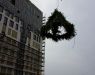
x=51 y=29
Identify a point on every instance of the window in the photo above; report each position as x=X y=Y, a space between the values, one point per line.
x=5 y=20
x=3 y=30
x=1 y=9
x=0 y=17
x=7 y=13
x=9 y=31
x=14 y=34
x=34 y=37
x=16 y=26
x=11 y=24
x=36 y=45
x=37 y=38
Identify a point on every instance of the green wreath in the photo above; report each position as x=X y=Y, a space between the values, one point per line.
x=51 y=29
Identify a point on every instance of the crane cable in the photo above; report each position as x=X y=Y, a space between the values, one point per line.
x=58 y=1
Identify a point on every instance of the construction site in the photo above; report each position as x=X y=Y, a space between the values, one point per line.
x=22 y=49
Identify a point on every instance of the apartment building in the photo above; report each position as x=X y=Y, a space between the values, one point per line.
x=22 y=49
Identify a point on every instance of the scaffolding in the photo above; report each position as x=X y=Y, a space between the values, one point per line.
x=22 y=59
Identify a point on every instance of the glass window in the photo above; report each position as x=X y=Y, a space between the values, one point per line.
x=1 y=9
x=34 y=37
x=5 y=20
x=7 y=13
x=0 y=17
x=11 y=24
x=14 y=34
x=3 y=30
x=16 y=26
x=9 y=31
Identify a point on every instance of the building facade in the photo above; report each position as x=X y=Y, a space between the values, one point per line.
x=21 y=47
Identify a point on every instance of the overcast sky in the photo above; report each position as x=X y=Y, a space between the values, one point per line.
x=77 y=56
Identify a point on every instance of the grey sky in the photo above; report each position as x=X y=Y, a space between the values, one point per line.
x=69 y=57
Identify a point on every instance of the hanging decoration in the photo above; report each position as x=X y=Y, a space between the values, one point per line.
x=52 y=27
x=56 y=21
